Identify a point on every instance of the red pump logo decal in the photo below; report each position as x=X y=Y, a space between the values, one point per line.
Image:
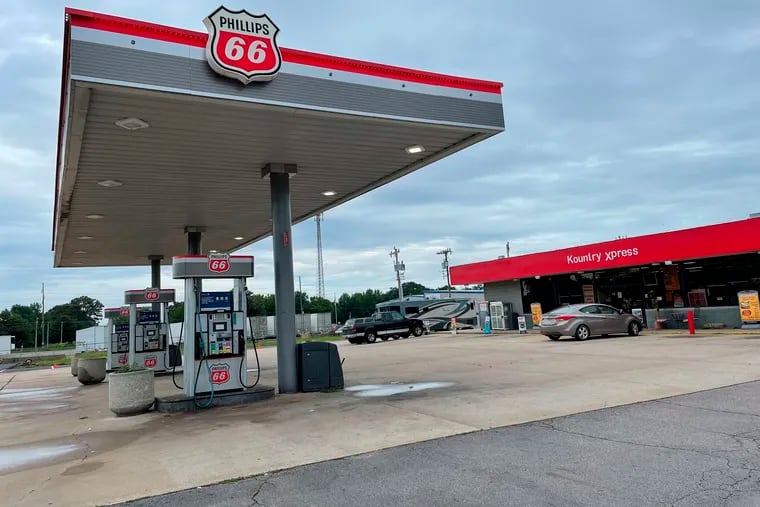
x=123 y=360
x=150 y=361
x=220 y=373
x=219 y=262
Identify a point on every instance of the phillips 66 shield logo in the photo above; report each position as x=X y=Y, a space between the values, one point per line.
x=219 y=262
x=150 y=362
x=242 y=45
x=151 y=294
x=220 y=373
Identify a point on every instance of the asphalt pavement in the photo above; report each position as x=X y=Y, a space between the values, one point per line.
x=697 y=449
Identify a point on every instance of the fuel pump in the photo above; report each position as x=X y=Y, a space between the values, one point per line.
x=217 y=321
x=220 y=342
x=149 y=335
x=118 y=343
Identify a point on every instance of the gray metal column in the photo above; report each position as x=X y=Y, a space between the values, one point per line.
x=155 y=278
x=193 y=288
x=284 y=286
x=132 y=337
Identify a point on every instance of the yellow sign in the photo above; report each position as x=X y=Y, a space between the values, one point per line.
x=535 y=311
x=749 y=306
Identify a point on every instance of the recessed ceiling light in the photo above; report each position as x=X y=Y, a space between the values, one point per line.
x=416 y=148
x=212 y=251
x=85 y=237
x=238 y=238
x=110 y=183
x=329 y=193
x=132 y=123
x=95 y=216
x=80 y=252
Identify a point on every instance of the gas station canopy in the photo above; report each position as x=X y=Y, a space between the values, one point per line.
x=152 y=140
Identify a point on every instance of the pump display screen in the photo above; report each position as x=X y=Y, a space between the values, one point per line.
x=121 y=328
x=150 y=332
x=220 y=326
x=148 y=317
x=216 y=301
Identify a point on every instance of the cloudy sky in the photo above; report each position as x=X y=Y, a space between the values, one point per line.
x=623 y=118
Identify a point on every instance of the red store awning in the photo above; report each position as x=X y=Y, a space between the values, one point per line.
x=730 y=238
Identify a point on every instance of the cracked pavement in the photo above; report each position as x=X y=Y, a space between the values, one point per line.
x=696 y=449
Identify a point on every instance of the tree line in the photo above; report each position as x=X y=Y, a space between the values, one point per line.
x=58 y=324
x=61 y=322
x=358 y=304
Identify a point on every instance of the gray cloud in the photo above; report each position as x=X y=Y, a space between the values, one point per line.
x=622 y=118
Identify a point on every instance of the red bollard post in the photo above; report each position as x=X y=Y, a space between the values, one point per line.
x=690 y=320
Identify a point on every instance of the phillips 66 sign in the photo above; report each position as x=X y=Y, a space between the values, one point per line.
x=242 y=45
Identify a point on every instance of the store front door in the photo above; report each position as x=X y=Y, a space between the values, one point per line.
x=497 y=315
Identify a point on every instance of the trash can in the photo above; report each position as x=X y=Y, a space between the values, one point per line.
x=319 y=367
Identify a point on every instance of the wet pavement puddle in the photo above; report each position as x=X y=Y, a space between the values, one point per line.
x=31 y=456
x=381 y=390
x=35 y=400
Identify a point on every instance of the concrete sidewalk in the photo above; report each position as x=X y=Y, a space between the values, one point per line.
x=404 y=391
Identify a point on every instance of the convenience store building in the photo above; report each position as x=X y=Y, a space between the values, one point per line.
x=702 y=268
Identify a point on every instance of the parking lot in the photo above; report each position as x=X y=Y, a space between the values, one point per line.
x=63 y=447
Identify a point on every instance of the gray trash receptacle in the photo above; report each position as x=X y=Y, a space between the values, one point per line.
x=319 y=367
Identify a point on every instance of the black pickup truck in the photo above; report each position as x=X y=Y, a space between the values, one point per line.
x=383 y=325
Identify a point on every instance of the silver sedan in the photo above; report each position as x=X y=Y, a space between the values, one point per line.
x=587 y=320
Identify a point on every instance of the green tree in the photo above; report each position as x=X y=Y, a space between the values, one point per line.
x=260 y=305
x=176 y=312
x=65 y=320
x=320 y=305
x=91 y=308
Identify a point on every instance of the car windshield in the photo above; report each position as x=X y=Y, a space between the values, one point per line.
x=350 y=322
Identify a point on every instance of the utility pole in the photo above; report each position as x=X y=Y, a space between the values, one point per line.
x=399 y=267
x=445 y=266
x=43 y=313
x=61 y=335
x=320 y=262
x=36 y=324
x=507 y=249
x=335 y=306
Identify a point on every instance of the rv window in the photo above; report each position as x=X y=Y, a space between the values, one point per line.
x=411 y=309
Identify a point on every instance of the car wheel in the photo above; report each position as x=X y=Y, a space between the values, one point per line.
x=417 y=331
x=396 y=337
x=583 y=332
x=384 y=338
x=554 y=337
x=634 y=328
x=370 y=337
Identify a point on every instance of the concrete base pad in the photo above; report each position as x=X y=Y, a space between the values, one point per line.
x=181 y=403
